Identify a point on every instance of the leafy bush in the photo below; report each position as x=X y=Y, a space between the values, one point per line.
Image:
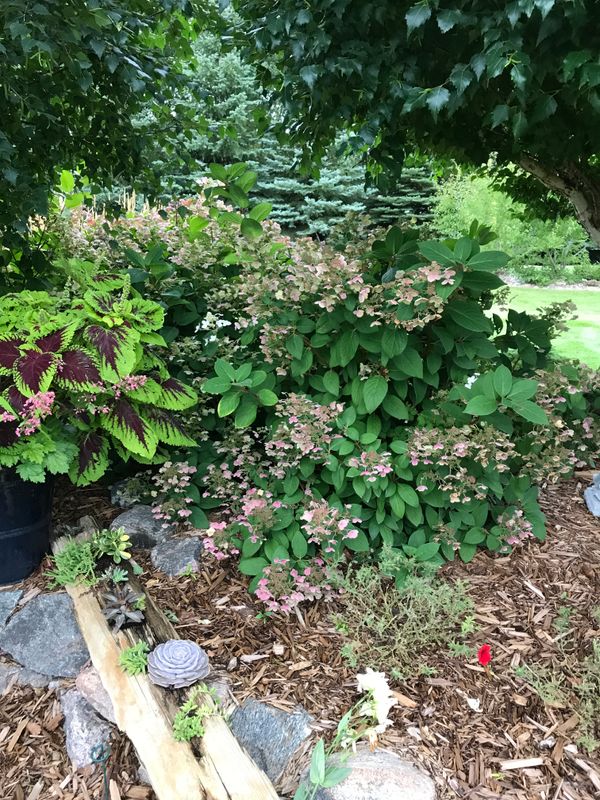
x=542 y=251
x=79 y=374
x=351 y=400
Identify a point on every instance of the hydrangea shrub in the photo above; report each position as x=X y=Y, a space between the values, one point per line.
x=363 y=400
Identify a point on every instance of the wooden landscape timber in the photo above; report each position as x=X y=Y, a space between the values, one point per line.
x=223 y=770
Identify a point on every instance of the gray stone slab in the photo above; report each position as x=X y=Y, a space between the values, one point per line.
x=44 y=637
x=270 y=735
x=177 y=555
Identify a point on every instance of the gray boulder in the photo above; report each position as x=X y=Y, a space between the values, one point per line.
x=84 y=729
x=8 y=601
x=143 y=529
x=43 y=636
x=380 y=775
x=270 y=735
x=177 y=555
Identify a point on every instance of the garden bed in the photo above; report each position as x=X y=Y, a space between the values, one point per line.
x=520 y=610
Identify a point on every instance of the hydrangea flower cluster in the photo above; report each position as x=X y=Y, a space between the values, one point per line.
x=448 y=452
x=282 y=588
x=515 y=527
x=170 y=494
x=372 y=465
x=326 y=526
x=306 y=430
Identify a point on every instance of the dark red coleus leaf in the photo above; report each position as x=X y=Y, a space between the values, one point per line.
x=8 y=433
x=34 y=370
x=52 y=342
x=77 y=367
x=124 y=422
x=93 y=449
x=176 y=395
x=9 y=352
x=109 y=342
x=16 y=399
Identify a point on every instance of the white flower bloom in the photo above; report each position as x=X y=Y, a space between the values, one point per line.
x=381 y=697
x=471 y=380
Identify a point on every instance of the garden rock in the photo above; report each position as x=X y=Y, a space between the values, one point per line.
x=28 y=677
x=141 y=526
x=8 y=601
x=177 y=555
x=44 y=637
x=8 y=672
x=89 y=684
x=270 y=735
x=84 y=729
x=380 y=775
x=592 y=496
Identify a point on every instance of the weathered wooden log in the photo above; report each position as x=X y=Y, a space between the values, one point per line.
x=222 y=771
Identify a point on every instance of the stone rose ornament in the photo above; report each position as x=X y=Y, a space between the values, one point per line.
x=177 y=663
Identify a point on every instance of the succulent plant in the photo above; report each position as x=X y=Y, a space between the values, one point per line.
x=122 y=606
x=177 y=663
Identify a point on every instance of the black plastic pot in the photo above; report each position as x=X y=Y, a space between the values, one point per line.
x=25 y=516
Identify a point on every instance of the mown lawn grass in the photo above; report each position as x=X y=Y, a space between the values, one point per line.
x=582 y=339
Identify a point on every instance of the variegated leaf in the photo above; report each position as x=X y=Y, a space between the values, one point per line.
x=33 y=372
x=92 y=460
x=175 y=395
x=9 y=352
x=55 y=340
x=115 y=348
x=169 y=428
x=77 y=370
x=129 y=427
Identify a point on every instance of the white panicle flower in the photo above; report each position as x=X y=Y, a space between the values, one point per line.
x=381 y=697
x=471 y=380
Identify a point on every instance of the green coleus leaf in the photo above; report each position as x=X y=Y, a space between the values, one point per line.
x=374 y=390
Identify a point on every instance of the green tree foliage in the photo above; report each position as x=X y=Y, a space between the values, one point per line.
x=72 y=74
x=228 y=100
x=520 y=79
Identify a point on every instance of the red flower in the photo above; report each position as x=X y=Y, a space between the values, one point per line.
x=484 y=655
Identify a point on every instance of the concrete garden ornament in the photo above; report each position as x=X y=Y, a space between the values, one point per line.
x=177 y=663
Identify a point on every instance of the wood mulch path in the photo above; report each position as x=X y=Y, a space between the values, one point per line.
x=534 y=608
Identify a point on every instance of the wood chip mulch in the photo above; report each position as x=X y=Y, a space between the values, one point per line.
x=515 y=745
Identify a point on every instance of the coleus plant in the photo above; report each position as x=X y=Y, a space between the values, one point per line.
x=79 y=375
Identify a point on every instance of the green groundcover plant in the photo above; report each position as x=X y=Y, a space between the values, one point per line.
x=352 y=400
x=79 y=375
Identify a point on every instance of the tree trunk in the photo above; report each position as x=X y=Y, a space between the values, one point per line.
x=576 y=186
